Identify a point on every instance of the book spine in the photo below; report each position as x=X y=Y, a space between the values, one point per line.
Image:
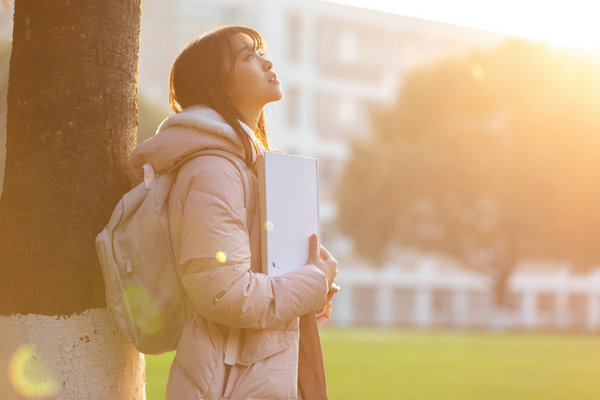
x=260 y=169
x=318 y=202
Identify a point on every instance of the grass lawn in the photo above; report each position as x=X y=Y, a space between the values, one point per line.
x=411 y=365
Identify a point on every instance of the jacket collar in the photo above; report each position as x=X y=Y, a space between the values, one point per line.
x=204 y=119
x=193 y=129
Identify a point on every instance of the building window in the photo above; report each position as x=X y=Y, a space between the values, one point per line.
x=363 y=305
x=515 y=302
x=403 y=305
x=348 y=47
x=340 y=118
x=546 y=307
x=294 y=33
x=292 y=105
x=330 y=172
x=347 y=111
x=442 y=307
x=325 y=114
x=348 y=51
x=577 y=310
x=480 y=305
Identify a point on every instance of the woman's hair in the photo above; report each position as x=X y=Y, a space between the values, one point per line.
x=199 y=76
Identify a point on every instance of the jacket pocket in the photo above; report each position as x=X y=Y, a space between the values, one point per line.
x=259 y=344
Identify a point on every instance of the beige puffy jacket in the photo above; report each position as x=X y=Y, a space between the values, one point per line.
x=278 y=352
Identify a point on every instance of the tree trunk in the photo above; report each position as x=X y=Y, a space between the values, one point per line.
x=76 y=357
x=71 y=124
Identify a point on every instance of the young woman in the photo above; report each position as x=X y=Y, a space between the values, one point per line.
x=219 y=85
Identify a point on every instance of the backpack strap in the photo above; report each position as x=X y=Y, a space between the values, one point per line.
x=233 y=337
x=235 y=160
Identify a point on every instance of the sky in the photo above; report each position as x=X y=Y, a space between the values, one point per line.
x=573 y=23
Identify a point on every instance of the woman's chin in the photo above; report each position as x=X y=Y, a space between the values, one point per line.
x=276 y=96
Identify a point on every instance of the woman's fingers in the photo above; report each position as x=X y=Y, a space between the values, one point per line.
x=325 y=255
x=321 y=258
x=324 y=315
x=313 y=248
x=333 y=289
x=328 y=258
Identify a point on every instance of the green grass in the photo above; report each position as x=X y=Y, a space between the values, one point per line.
x=411 y=365
x=157 y=370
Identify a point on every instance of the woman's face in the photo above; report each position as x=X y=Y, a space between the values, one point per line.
x=253 y=82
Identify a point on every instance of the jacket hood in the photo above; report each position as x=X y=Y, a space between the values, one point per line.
x=193 y=129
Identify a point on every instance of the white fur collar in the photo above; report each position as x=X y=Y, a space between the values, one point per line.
x=205 y=119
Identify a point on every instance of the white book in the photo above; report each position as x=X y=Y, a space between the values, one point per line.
x=289 y=209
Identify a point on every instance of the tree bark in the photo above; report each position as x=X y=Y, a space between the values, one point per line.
x=75 y=357
x=71 y=124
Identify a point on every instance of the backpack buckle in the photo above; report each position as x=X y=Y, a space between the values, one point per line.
x=148 y=175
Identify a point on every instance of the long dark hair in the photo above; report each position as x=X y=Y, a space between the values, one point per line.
x=198 y=76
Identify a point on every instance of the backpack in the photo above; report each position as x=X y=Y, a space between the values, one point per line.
x=144 y=295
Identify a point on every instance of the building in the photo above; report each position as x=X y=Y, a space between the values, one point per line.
x=429 y=292
x=335 y=62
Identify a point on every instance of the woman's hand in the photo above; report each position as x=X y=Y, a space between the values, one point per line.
x=322 y=259
x=324 y=313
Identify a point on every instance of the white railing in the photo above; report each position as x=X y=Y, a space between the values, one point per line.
x=432 y=294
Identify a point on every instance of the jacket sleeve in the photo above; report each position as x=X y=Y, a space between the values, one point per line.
x=214 y=258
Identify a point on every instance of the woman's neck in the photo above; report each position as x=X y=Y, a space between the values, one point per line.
x=250 y=118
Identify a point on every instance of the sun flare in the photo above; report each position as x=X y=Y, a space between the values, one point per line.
x=564 y=23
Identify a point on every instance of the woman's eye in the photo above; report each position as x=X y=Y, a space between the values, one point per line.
x=256 y=53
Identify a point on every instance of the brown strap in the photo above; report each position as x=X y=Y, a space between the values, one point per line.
x=311 y=371
x=235 y=160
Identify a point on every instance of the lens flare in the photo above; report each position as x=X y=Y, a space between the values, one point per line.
x=269 y=225
x=144 y=309
x=29 y=375
x=477 y=72
x=221 y=257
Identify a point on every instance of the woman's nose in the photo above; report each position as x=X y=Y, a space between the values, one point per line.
x=268 y=65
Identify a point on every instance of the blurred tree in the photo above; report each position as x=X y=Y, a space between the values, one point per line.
x=490 y=159
x=71 y=125
x=150 y=115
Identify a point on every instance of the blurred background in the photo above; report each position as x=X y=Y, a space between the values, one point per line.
x=459 y=181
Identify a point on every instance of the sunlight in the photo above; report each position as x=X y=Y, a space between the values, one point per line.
x=477 y=72
x=144 y=309
x=30 y=375
x=564 y=23
x=221 y=257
